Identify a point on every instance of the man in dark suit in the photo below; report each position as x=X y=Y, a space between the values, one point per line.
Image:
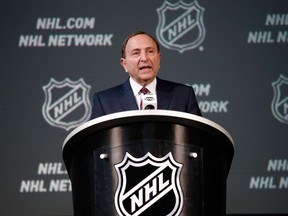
x=141 y=60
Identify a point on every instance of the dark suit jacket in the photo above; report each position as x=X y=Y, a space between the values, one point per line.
x=170 y=96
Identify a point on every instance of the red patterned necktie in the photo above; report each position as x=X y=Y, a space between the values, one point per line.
x=143 y=91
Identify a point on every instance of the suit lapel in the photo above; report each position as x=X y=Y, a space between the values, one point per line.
x=163 y=94
x=128 y=102
x=126 y=98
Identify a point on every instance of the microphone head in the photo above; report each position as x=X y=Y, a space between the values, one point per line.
x=149 y=106
x=149 y=101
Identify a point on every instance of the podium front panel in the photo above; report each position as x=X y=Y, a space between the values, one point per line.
x=148 y=176
x=170 y=164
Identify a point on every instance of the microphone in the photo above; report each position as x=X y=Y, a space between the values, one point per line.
x=149 y=101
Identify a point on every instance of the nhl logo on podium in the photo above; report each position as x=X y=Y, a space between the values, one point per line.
x=148 y=186
x=180 y=26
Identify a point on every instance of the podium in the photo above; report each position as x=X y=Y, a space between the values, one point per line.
x=148 y=162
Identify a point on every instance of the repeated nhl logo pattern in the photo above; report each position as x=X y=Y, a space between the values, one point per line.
x=67 y=103
x=180 y=25
x=279 y=104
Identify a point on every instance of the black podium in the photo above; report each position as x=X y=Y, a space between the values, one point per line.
x=149 y=162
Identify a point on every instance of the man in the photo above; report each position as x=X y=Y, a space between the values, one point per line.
x=141 y=61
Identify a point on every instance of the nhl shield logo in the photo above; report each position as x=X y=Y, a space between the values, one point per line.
x=148 y=186
x=280 y=100
x=180 y=25
x=66 y=103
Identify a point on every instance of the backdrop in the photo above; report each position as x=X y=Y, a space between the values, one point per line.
x=55 y=54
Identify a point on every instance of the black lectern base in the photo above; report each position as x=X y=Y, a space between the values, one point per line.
x=148 y=165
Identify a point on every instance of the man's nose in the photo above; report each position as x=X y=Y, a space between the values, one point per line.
x=144 y=57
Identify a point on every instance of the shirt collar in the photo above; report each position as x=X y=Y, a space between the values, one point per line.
x=136 y=87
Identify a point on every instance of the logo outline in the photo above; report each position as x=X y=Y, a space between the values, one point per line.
x=148 y=158
x=83 y=100
x=278 y=100
x=162 y=26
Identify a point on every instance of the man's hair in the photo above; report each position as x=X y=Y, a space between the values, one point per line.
x=134 y=34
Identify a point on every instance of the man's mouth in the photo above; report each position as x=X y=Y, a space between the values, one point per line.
x=145 y=67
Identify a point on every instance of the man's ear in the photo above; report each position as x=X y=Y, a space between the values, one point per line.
x=123 y=63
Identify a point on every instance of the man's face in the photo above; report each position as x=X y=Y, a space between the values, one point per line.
x=142 y=59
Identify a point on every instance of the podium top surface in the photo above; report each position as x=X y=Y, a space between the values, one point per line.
x=144 y=116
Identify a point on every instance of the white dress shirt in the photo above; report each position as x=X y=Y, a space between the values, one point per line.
x=137 y=87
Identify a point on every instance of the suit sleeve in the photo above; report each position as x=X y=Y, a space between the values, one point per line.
x=97 y=109
x=193 y=106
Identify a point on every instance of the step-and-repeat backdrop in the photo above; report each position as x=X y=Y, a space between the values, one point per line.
x=56 y=54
